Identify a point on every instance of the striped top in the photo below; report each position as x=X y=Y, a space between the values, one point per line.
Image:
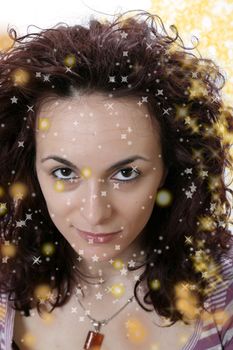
x=214 y=333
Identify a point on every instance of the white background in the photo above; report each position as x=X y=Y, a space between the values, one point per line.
x=46 y=13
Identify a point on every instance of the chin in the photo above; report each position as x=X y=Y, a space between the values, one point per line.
x=89 y=252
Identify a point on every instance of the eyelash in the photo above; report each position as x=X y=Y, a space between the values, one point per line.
x=124 y=181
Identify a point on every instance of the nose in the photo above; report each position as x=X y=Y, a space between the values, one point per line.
x=97 y=207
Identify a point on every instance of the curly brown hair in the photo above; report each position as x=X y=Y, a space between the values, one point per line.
x=183 y=93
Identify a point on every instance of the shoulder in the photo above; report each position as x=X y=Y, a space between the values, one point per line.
x=227 y=307
x=3 y=308
x=219 y=305
x=6 y=322
x=3 y=313
x=222 y=296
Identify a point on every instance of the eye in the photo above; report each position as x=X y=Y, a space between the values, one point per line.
x=128 y=171
x=64 y=172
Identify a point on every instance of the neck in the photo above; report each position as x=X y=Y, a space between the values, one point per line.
x=114 y=271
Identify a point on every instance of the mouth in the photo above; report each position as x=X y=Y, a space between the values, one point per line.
x=98 y=237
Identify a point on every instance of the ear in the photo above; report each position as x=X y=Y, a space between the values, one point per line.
x=165 y=172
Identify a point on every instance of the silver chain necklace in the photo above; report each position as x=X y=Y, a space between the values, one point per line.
x=95 y=338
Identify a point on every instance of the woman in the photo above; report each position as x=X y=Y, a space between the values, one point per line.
x=114 y=209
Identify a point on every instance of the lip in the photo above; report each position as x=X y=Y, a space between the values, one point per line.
x=98 y=237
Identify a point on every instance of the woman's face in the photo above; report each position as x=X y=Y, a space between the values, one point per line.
x=93 y=132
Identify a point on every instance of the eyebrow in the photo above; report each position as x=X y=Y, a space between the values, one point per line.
x=112 y=167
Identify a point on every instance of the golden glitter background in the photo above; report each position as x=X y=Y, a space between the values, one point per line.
x=211 y=21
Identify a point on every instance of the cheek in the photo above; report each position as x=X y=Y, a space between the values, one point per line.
x=138 y=212
x=141 y=215
x=57 y=207
x=59 y=212
x=57 y=202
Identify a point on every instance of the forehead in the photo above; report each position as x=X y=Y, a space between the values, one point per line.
x=96 y=118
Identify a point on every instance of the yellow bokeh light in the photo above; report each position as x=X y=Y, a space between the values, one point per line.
x=192 y=124
x=186 y=301
x=184 y=338
x=59 y=186
x=5 y=42
x=220 y=317
x=70 y=60
x=47 y=317
x=163 y=198
x=117 y=290
x=188 y=310
x=214 y=182
x=182 y=112
x=20 y=76
x=44 y=124
x=206 y=223
x=42 y=292
x=86 y=172
x=29 y=340
x=3 y=209
x=197 y=89
x=48 y=249
x=155 y=284
x=118 y=264
x=155 y=346
x=8 y=249
x=18 y=190
x=136 y=331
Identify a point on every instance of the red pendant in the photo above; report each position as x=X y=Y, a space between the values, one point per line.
x=93 y=341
